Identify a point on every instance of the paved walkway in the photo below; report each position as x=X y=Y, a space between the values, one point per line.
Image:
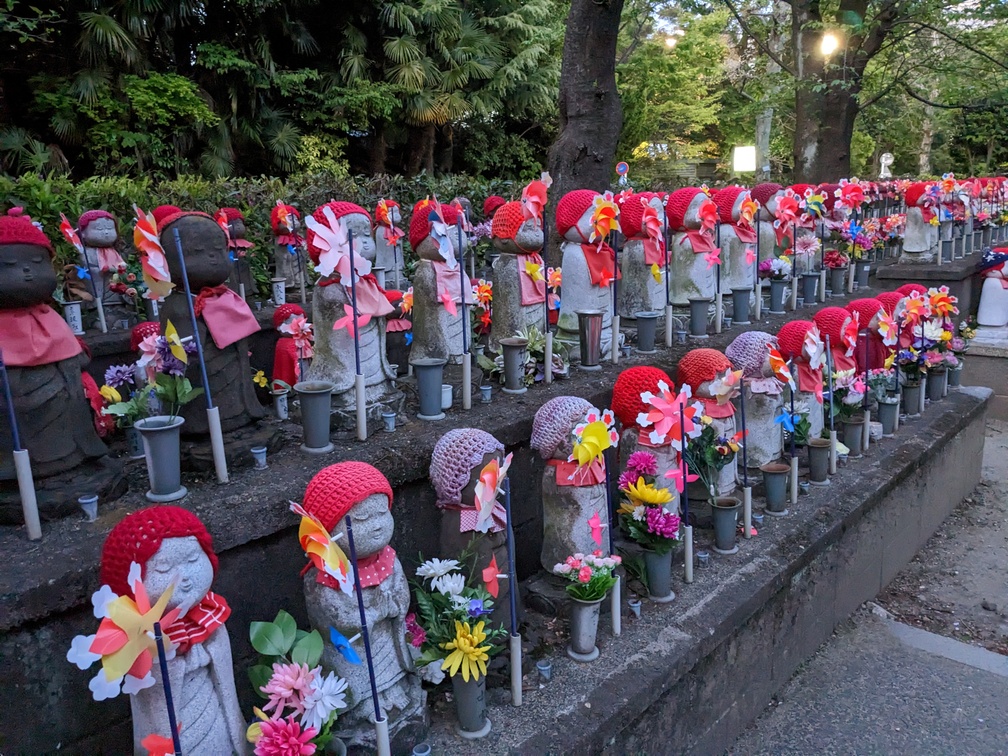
x=880 y=687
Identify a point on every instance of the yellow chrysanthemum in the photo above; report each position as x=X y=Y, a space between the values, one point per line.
x=594 y=441
x=945 y=336
x=466 y=652
x=110 y=395
x=647 y=494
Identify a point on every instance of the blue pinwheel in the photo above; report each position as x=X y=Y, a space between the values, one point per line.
x=343 y=646
x=786 y=420
x=82 y=272
x=409 y=338
x=290 y=248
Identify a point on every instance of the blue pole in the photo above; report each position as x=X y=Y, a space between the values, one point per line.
x=163 y=663
x=10 y=405
x=363 y=621
x=512 y=575
x=192 y=317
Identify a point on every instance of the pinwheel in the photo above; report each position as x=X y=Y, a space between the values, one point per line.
x=750 y=254
x=815 y=204
x=725 y=386
x=534 y=270
x=124 y=642
x=334 y=248
x=780 y=368
x=713 y=257
x=301 y=331
x=554 y=278
x=489 y=486
x=604 y=218
x=747 y=210
x=916 y=308
x=342 y=645
x=849 y=334
x=491 y=573
x=284 y=216
x=662 y=417
x=321 y=549
x=888 y=329
x=849 y=195
x=222 y=221
x=407 y=301
x=813 y=347
x=786 y=420
x=595 y=524
x=654 y=245
x=153 y=261
x=592 y=436
x=708 y=215
x=175 y=343
x=70 y=234
x=942 y=303
x=534 y=199
x=351 y=323
x=678 y=473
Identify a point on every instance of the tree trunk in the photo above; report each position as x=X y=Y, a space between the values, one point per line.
x=420 y=150
x=445 y=153
x=764 y=120
x=591 y=115
x=377 y=149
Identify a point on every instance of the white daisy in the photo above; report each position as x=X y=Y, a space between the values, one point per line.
x=435 y=568
x=449 y=585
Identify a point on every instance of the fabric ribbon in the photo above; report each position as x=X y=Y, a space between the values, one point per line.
x=289 y=240
x=745 y=234
x=532 y=291
x=371 y=570
x=449 y=287
x=770 y=386
x=227 y=316
x=600 y=262
x=569 y=474
x=717 y=411
x=469 y=517
x=653 y=254
x=842 y=362
x=700 y=241
x=810 y=380
x=199 y=623
x=36 y=335
x=109 y=260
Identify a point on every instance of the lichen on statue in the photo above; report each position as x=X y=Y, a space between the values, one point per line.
x=438 y=283
x=642 y=221
x=764 y=396
x=519 y=274
x=692 y=216
x=570 y=495
x=175 y=551
x=223 y=318
x=362 y=492
x=43 y=360
x=335 y=357
x=587 y=273
x=458 y=459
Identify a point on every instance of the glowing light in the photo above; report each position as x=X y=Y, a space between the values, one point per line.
x=829 y=44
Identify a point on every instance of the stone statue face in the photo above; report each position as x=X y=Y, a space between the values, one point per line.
x=692 y=217
x=182 y=561
x=466 y=205
x=372 y=526
x=566 y=447
x=205 y=249
x=27 y=276
x=237 y=228
x=767 y=211
x=469 y=492
x=736 y=208
x=457 y=238
x=100 y=233
x=704 y=390
x=395 y=215
x=528 y=239
x=583 y=225
x=360 y=226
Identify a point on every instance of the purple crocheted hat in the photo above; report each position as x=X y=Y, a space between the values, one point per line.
x=748 y=351
x=554 y=421
x=455 y=455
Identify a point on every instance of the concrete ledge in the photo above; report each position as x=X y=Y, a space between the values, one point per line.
x=959 y=275
x=688 y=677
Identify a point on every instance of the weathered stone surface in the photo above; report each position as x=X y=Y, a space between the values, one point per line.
x=580 y=294
x=510 y=316
x=639 y=291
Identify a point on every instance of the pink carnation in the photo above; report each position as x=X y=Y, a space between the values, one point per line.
x=417 y=635
x=585 y=574
x=284 y=737
x=642 y=463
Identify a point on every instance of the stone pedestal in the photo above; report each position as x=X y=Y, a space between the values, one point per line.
x=566 y=510
x=436 y=332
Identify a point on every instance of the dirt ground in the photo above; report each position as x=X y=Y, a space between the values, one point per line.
x=957 y=585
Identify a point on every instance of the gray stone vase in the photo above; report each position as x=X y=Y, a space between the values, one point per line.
x=161 y=449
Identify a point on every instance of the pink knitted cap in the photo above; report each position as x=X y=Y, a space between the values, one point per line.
x=554 y=422
x=455 y=455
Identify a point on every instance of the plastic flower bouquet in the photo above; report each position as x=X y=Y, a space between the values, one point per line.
x=912 y=364
x=642 y=512
x=451 y=628
x=590 y=575
x=301 y=701
x=123 y=400
x=848 y=395
x=708 y=453
x=776 y=269
x=835 y=259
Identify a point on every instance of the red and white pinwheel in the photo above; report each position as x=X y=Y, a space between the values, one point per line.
x=489 y=486
x=780 y=368
x=321 y=549
x=334 y=255
x=534 y=199
x=663 y=416
x=153 y=261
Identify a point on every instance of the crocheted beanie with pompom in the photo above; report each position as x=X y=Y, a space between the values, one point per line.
x=339 y=209
x=571 y=207
x=554 y=422
x=163 y=211
x=763 y=192
x=420 y=227
x=138 y=536
x=232 y=214
x=791 y=338
x=889 y=300
x=284 y=311
x=336 y=489
x=455 y=455
x=141 y=331
x=701 y=365
x=626 y=400
x=866 y=309
x=93 y=215
x=725 y=201
x=17 y=228
x=914 y=193
x=830 y=321
x=748 y=351
x=912 y=288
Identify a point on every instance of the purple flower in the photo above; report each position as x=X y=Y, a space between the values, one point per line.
x=627 y=478
x=173 y=366
x=119 y=375
x=476 y=608
x=642 y=463
x=662 y=523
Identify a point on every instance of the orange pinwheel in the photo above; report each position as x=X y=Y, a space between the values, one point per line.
x=284 y=216
x=322 y=550
x=488 y=488
x=916 y=308
x=604 y=217
x=534 y=199
x=942 y=303
x=780 y=368
x=708 y=215
x=407 y=301
x=554 y=278
x=153 y=260
x=888 y=329
x=849 y=334
x=70 y=234
x=748 y=210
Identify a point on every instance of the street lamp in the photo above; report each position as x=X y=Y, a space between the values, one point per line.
x=829 y=44
x=670 y=42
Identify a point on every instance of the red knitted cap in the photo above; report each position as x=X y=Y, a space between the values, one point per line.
x=334 y=490
x=138 y=536
x=419 y=227
x=490 y=205
x=284 y=311
x=799 y=189
x=141 y=331
x=93 y=215
x=763 y=192
x=831 y=322
x=507 y=220
x=163 y=211
x=889 y=300
x=677 y=205
x=866 y=309
x=914 y=192
x=278 y=227
x=829 y=190
x=626 y=401
x=701 y=365
x=232 y=213
x=632 y=214
x=911 y=288
x=725 y=201
x=167 y=220
x=571 y=207
x=17 y=228
x=791 y=337
x=339 y=209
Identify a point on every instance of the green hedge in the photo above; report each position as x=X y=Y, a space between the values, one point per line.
x=45 y=198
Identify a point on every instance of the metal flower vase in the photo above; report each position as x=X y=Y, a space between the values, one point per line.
x=161 y=449
x=819 y=458
x=584 y=618
x=777 y=286
x=698 y=318
x=316 y=411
